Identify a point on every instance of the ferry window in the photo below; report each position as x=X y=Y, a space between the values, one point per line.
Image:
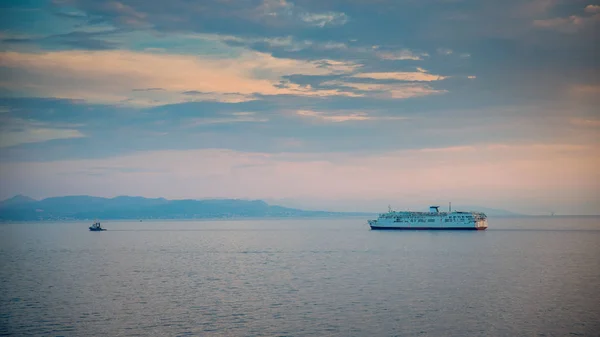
x=430 y=220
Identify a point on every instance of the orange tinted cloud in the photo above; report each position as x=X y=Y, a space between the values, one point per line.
x=419 y=76
x=112 y=76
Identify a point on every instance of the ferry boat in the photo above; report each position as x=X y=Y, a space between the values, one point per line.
x=96 y=227
x=432 y=220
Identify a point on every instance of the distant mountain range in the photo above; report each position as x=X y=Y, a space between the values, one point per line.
x=22 y=208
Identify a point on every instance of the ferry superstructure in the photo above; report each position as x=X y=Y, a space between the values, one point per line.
x=434 y=219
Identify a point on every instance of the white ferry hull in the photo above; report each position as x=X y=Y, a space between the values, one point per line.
x=429 y=228
x=433 y=220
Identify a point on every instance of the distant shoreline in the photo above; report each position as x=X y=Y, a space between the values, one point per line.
x=341 y=217
x=199 y=219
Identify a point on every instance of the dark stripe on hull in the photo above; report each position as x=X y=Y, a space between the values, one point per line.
x=430 y=228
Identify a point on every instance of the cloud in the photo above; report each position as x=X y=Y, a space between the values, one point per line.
x=404 y=54
x=585 y=90
x=217 y=97
x=592 y=9
x=123 y=13
x=419 y=76
x=300 y=47
x=445 y=51
x=451 y=149
x=287 y=10
x=235 y=117
x=586 y=122
x=115 y=130
x=111 y=76
x=359 y=116
x=14 y=131
x=389 y=90
x=535 y=7
x=70 y=14
x=178 y=14
x=95 y=40
x=147 y=89
x=285 y=43
x=569 y=24
x=342 y=116
x=324 y=19
x=582 y=93
x=572 y=23
x=283 y=12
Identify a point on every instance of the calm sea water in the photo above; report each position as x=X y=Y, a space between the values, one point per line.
x=521 y=277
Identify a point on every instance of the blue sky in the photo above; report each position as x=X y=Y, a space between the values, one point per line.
x=345 y=105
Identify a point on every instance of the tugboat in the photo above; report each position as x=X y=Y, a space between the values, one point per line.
x=96 y=227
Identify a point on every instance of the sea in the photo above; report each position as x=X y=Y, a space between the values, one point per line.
x=300 y=277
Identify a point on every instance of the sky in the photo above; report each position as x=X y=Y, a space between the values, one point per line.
x=348 y=105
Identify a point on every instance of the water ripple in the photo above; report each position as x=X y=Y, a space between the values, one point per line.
x=291 y=278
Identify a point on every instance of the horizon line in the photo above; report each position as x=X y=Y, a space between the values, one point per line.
x=514 y=214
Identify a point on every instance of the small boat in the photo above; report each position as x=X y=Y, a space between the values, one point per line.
x=96 y=227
